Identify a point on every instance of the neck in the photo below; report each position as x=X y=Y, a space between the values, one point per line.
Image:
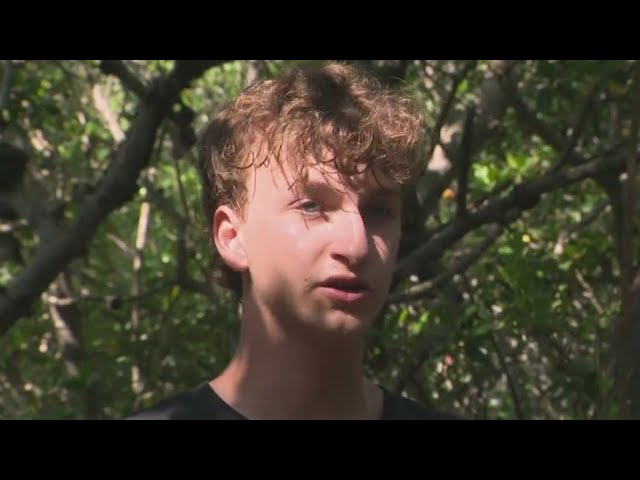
x=276 y=374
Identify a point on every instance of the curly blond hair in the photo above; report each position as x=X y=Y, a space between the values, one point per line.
x=301 y=115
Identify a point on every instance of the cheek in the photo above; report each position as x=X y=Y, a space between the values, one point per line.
x=385 y=249
x=387 y=243
x=295 y=236
x=285 y=243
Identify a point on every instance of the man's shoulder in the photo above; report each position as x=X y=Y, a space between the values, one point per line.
x=200 y=403
x=175 y=407
x=398 y=407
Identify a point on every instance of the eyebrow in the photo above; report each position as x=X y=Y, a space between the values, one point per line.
x=322 y=188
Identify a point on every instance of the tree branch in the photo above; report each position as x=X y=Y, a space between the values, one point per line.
x=184 y=69
x=6 y=83
x=581 y=121
x=590 y=294
x=141 y=237
x=528 y=116
x=633 y=316
x=510 y=381
x=491 y=107
x=437 y=335
x=118 y=69
x=253 y=72
x=451 y=96
x=464 y=162
x=118 y=185
x=183 y=197
x=67 y=322
x=504 y=210
x=110 y=118
x=180 y=222
x=564 y=146
x=627 y=260
x=570 y=232
x=627 y=325
x=460 y=266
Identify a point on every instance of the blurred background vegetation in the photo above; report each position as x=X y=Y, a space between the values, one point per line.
x=516 y=295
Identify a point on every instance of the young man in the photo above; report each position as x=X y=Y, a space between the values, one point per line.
x=301 y=186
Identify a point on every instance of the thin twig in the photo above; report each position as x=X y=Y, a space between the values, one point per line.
x=510 y=381
x=581 y=121
x=460 y=266
x=101 y=103
x=589 y=292
x=588 y=219
x=183 y=197
x=528 y=116
x=464 y=161
x=253 y=72
x=627 y=261
x=141 y=236
x=122 y=245
x=501 y=358
x=448 y=103
x=68 y=300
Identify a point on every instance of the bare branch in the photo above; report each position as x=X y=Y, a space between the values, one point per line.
x=102 y=105
x=122 y=245
x=148 y=293
x=253 y=72
x=67 y=321
x=589 y=293
x=141 y=237
x=116 y=301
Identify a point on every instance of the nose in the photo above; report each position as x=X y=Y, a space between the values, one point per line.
x=350 y=239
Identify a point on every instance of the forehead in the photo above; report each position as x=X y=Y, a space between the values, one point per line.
x=364 y=182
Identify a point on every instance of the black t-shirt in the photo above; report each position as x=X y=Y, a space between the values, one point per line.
x=202 y=403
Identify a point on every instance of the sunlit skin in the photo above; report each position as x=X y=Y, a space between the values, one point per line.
x=301 y=346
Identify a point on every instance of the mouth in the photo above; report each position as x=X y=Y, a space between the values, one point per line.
x=345 y=289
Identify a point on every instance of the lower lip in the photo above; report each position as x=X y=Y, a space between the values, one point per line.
x=344 y=295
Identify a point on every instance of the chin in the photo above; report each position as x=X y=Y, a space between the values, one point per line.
x=343 y=322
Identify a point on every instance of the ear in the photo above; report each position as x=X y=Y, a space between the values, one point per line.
x=226 y=236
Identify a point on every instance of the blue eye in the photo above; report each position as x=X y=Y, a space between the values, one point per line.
x=310 y=207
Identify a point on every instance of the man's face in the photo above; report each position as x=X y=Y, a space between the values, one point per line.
x=320 y=254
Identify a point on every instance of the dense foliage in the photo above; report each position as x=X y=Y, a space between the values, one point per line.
x=509 y=295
